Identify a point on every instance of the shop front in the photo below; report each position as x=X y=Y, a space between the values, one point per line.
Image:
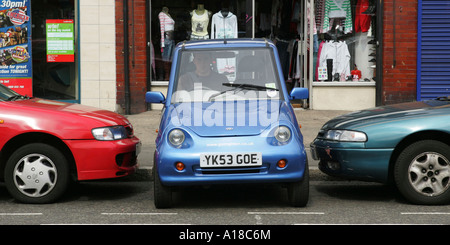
x=328 y=46
x=37 y=48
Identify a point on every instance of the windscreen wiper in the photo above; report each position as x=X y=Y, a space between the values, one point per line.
x=16 y=97
x=248 y=86
x=240 y=86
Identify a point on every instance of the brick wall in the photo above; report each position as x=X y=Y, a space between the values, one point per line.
x=137 y=55
x=399 y=64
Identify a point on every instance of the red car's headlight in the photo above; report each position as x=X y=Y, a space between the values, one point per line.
x=110 y=133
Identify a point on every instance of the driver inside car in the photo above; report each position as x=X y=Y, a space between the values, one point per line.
x=203 y=75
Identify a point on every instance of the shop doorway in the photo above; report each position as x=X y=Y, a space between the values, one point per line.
x=54 y=78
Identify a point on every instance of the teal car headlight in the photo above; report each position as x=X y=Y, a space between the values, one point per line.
x=110 y=133
x=176 y=137
x=345 y=135
x=282 y=134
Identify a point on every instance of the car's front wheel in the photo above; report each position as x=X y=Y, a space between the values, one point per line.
x=298 y=192
x=162 y=194
x=422 y=173
x=37 y=173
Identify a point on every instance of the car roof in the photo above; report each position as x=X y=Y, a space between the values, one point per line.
x=225 y=43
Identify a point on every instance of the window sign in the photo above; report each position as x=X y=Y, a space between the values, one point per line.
x=60 y=41
x=15 y=46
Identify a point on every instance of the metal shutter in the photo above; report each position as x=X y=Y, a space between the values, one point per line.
x=433 y=47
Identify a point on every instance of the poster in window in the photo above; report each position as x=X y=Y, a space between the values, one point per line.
x=60 y=41
x=15 y=46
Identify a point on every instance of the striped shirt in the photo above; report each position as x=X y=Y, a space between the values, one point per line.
x=166 y=24
x=338 y=9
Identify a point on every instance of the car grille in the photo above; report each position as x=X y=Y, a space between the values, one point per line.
x=222 y=171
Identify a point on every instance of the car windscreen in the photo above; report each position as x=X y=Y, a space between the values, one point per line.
x=226 y=75
x=7 y=93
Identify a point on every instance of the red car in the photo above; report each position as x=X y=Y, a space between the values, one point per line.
x=44 y=144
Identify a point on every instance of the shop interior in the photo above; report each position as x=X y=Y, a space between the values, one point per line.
x=339 y=48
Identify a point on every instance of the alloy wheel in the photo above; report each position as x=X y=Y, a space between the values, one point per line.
x=429 y=174
x=35 y=175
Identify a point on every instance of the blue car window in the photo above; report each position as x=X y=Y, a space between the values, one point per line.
x=226 y=74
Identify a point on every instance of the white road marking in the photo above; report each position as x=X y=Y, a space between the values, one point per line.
x=426 y=213
x=130 y=214
x=285 y=213
x=19 y=214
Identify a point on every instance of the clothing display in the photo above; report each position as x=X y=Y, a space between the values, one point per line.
x=167 y=26
x=339 y=55
x=337 y=9
x=330 y=36
x=200 y=21
x=362 y=20
x=224 y=25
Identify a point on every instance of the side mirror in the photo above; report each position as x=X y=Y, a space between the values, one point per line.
x=154 y=97
x=299 y=93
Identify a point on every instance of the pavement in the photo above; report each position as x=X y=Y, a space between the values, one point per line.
x=146 y=125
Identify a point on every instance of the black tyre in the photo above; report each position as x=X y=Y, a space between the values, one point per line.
x=422 y=173
x=162 y=194
x=37 y=173
x=298 y=192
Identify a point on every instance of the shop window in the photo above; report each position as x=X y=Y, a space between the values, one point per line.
x=176 y=21
x=54 y=56
x=340 y=47
x=345 y=40
x=335 y=42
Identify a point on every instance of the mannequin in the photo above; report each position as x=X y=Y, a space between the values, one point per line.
x=200 y=20
x=167 y=26
x=225 y=12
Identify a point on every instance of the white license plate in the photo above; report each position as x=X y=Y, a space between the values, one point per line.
x=230 y=160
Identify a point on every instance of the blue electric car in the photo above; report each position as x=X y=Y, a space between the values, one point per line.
x=227 y=119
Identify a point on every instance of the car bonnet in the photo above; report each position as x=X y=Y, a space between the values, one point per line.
x=387 y=113
x=226 y=119
x=42 y=107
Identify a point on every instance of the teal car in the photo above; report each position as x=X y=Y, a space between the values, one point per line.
x=406 y=144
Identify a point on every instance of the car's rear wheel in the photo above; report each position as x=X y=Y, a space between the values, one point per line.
x=162 y=194
x=298 y=192
x=422 y=173
x=37 y=173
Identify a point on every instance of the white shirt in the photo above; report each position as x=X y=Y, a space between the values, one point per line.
x=338 y=52
x=224 y=27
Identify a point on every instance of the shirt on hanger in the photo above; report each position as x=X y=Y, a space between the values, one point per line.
x=338 y=9
x=338 y=52
x=224 y=27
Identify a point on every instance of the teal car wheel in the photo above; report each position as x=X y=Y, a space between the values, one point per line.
x=422 y=172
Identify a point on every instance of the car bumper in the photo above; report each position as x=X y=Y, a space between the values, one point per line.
x=105 y=159
x=166 y=158
x=352 y=160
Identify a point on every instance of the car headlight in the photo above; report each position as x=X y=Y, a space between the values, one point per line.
x=110 y=133
x=282 y=134
x=176 y=137
x=345 y=135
